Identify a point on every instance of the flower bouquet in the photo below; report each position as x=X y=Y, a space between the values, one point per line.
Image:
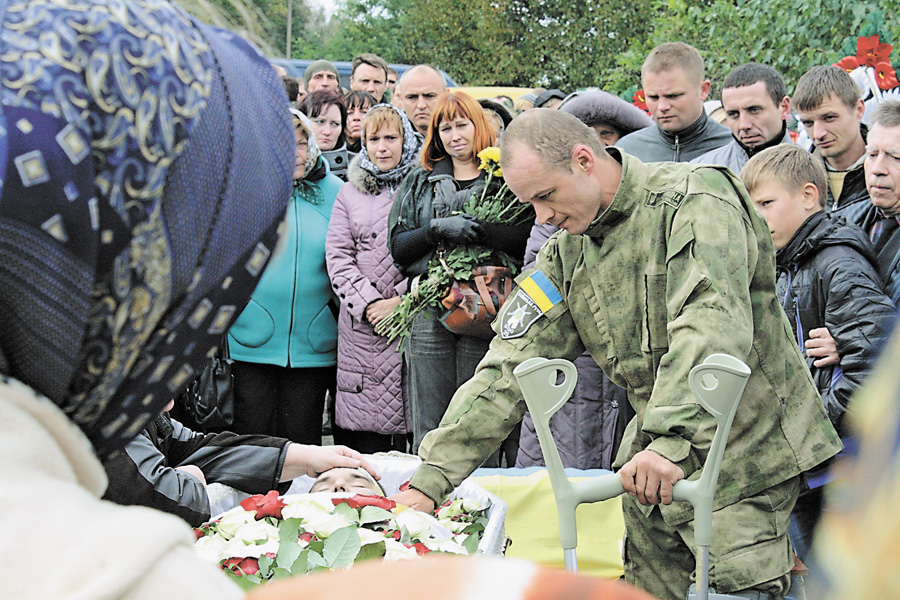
x=270 y=537
x=495 y=204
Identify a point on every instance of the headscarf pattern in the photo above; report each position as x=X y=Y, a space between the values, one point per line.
x=304 y=188
x=125 y=250
x=409 y=157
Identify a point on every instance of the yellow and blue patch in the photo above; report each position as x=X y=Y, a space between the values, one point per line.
x=535 y=296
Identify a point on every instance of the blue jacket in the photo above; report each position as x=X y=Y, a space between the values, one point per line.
x=288 y=321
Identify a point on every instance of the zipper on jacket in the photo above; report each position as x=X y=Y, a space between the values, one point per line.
x=677 y=147
x=795 y=301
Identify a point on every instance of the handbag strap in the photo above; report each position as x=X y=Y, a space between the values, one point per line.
x=485 y=294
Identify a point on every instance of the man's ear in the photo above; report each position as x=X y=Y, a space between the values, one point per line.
x=704 y=89
x=785 y=108
x=583 y=158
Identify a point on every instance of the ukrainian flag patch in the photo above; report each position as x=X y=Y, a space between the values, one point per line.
x=534 y=297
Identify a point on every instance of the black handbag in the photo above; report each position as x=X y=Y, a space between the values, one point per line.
x=207 y=404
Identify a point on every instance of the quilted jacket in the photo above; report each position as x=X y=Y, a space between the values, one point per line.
x=369 y=396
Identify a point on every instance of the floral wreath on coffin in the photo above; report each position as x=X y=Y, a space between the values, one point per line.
x=271 y=537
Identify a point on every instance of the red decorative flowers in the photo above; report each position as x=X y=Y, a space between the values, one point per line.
x=870 y=52
x=360 y=500
x=269 y=505
x=640 y=100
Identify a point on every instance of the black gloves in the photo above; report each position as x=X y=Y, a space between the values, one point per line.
x=458 y=229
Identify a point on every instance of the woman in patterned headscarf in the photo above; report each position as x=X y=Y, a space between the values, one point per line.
x=284 y=342
x=131 y=137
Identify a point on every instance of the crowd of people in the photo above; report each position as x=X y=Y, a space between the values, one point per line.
x=658 y=238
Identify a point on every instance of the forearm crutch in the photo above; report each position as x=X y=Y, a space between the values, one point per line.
x=718 y=384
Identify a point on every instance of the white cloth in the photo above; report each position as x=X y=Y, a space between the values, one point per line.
x=61 y=541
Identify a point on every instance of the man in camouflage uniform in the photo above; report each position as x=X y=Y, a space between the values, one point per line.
x=660 y=266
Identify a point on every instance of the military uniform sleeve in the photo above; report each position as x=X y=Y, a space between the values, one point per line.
x=486 y=408
x=705 y=289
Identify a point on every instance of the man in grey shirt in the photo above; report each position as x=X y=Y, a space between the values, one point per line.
x=675 y=87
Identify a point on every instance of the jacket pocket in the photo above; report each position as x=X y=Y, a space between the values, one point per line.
x=347 y=381
x=653 y=326
x=322 y=332
x=254 y=327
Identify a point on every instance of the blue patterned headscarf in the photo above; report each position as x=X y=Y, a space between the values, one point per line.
x=131 y=138
x=409 y=157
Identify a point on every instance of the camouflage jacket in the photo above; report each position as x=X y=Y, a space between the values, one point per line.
x=678 y=267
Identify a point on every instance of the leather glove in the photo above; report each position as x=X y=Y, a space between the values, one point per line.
x=459 y=229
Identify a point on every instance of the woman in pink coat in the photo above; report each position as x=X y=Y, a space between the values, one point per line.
x=371 y=413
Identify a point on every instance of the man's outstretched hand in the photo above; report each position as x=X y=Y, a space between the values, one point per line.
x=413 y=498
x=650 y=477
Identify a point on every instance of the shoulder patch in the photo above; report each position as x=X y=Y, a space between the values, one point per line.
x=533 y=298
x=671 y=197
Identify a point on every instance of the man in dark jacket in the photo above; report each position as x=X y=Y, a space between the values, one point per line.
x=168 y=466
x=831 y=111
x=675 y=87
x=826 y=277
x=882 y=170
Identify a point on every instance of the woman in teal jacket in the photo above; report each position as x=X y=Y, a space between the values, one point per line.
x=284 y=341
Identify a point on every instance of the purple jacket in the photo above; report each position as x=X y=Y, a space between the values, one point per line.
x=369 y=396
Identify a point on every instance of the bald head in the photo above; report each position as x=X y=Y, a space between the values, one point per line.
x=417 y=93
x=551 y=134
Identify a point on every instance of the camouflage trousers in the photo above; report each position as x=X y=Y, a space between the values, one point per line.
x=750 y=547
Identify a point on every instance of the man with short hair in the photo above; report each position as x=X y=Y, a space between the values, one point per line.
x=882 y=170
x=418 y=91
x=322 y=75
x=660 y=266
x=756 y=107
x=831 y=110
x=675 y=88
x=369 y=74
x=392 y=77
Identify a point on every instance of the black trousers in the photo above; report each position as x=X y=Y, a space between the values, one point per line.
x=281 y=401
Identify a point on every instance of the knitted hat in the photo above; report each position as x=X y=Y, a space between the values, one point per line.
x=318 y=66
x=598 y=106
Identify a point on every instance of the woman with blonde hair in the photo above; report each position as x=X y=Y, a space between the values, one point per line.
x=370 y=412
x=427 y=219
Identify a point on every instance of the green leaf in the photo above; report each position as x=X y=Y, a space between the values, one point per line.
x=288 y=529
x=279 y=573
x=265 y=566
x=471 y=544
x=341 y=547
x=351 y=514
x=314 y=560
x=370 y=551
x=374 y=514
x=301 y=564
x=288 y=551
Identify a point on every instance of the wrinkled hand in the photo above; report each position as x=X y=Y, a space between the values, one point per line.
x=459 y=229
x=650 y=477
x=194 y=471
x=413 y=498
x=315 y=460
x=821 y=344
x=379 y=309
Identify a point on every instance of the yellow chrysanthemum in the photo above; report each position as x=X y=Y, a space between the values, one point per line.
x=490 y=159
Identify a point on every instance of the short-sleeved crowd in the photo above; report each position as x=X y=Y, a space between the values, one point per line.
x=656 y=239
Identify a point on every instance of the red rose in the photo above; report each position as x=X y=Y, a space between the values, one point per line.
x=308 y=537
x=886 y=76
x=242 y=566
x=198 y=533
x=269 y=505
x=848 y=63
x=396 y=535
x=421 y=549
x=360 y=500
x=404 y=487
x=870 y=52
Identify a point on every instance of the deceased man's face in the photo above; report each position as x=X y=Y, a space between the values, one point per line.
x=342 y=479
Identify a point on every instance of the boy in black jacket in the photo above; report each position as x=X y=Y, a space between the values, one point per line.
x=829 y=286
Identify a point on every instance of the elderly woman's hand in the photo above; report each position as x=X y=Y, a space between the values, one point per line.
x=315 y=460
